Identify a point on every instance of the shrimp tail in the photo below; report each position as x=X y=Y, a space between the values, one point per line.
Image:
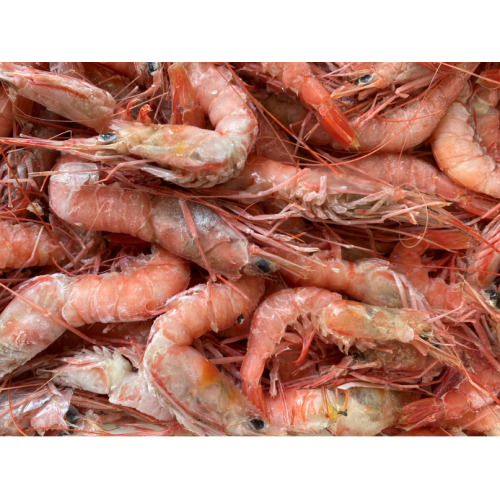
x=336 y=124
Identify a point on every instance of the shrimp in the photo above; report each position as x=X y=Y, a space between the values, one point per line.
x=470 y=394
x=188 y=229
x=41 y=409
x=27 y=244
x=413 y=123
x=311 y=311
x=485 y=420
x=102 y=371
x=359 y=411
x=341 y=198
x=298 y=77
x=6 y=118
x=195 y=157
x=465 y=143
x=45 y=305
x=203 y=399
x=72 y=98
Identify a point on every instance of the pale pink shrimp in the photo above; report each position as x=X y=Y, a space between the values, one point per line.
x=298 y=77
x=313 y=311
x=485 y=420
x=407 y=126
x=102 y=371
x=465 y=143
x=195 y=157
x=45 y=305
x=359 y=411
x=27 y=244
x=203 y=399
x=6 y=118
x=33 y=411
x=190 y=230
x=72 y=98
x=342 y=198
x=411 y=173
x=471 y=394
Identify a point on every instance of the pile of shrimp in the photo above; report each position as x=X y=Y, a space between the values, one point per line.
x=262 y=249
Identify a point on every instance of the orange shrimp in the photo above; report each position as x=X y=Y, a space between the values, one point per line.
x=471 y=394
x=299 y=77
x=465 y=143
x=413 y=123
x=6 y=118
x=485 y=420
x=72 y=98
x=102 y=371
x=188 y=229
x=203 y=399
x=45 y=305
x=313 y=311
x=27 y=244
x=358 y=411
x=195 y=157
x=342 y=198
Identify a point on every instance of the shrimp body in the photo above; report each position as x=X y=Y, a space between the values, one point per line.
x=313 y=310
x=413 y=123
x=323 y=193
x=104 y=372
x=27 y=244
x=465 y=141
x=79 y=200
x=299 y=77
x=360 y=411
x=26 y=328
x=70 y=97
x=463 y=398
x=183 y=378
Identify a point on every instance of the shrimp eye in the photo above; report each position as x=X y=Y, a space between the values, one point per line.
x=343 y=412
x=363 y=80
x=72 y=415
x=257 y=424
x=264 y=265
x=423 y=336
x=152 y=67
x=240 y=319
x=108 y=138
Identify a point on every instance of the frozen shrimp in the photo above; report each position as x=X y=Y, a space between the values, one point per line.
x=203 y=399
x=465 y=143
x=102 y=371
x=188 y=229
x=342 y=198
x=195 y=157
x=298 y=77
x=45 y=305
x=27 y=244
x=359 y=411
x=413 y=123
x=313 y=311
x=479 y=389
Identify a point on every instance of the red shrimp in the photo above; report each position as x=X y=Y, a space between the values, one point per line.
x=465 y=143
x=203 y=399
x=359 y=411
x=27 y=244
x=469 y=395
x=45 y=305
x=6 y=118
x=313 y=311
x=188 y=229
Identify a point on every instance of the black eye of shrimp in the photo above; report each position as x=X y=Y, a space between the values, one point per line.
x=363 y=80
x=240 y=319
x=108 y=138
x=264 y=265
x=72 y=415
x=152 y=67
x=257 y=424
x=343 y=412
